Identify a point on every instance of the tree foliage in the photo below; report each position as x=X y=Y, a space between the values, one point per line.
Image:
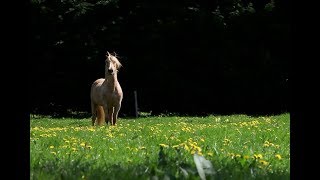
x=187 y=57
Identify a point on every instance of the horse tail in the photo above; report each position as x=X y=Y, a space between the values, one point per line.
x=100 y=115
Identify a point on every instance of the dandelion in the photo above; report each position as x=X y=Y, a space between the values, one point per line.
x=263 y=162
x=74 y=149
x=238 y=155
x=202 y=139
x=186 y=147
x=89 y=147
x=83 y=144
x=52 y=152
x=210 y=154
x=175 y=146
x=111 y=149
x=51 y=147
x=257 y=156
x=163 y=145
x=278 y=156
x=91 y=129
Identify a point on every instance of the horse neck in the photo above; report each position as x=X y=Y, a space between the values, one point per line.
x=110 y=81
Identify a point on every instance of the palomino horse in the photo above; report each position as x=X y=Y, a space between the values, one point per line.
x=106 y=94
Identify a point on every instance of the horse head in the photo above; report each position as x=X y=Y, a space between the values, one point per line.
x=112 y=63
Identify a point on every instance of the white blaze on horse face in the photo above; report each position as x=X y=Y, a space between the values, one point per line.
x=110 y=67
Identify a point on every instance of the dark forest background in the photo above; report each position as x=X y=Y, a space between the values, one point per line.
x=186 y=57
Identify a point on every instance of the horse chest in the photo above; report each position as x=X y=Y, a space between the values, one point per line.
x=110 y=96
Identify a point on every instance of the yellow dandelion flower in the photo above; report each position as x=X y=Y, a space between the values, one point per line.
x=53 y=153
x=91 y=129
x=210 y=154
x=192 y=152
x=238 y=155
x=51 y=147
x=258 y=156
x=111 y=149
x=226 y=140
x=175 y=146
x=231 y=154
x=89 y=147
x=186 y=147
x=74 y=149
x=83 y=144
x=278 y=156
x=163 y=145
x=265 y=145
x=263 y=162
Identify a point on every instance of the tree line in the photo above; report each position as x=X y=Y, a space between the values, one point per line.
x=187 y=57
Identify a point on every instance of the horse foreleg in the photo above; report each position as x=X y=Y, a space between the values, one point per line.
x=100 y=115
x=94 y=113
x=111 y=115
x=115 y=113
x=106 y=114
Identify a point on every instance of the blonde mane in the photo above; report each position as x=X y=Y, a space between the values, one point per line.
x=114 y=60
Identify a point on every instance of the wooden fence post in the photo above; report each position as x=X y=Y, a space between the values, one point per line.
x=136 y=104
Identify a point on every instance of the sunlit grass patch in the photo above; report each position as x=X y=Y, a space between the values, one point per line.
x=238 y=146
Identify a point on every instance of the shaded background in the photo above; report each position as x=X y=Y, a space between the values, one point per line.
x=186 y=57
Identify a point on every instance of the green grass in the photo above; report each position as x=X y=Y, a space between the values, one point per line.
x=238 y=146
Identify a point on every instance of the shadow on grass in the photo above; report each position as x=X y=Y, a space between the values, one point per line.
x=78 y=170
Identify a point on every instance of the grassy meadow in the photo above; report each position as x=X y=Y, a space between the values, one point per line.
x=237 y=146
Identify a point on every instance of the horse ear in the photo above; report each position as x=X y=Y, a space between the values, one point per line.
x=108 y=53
